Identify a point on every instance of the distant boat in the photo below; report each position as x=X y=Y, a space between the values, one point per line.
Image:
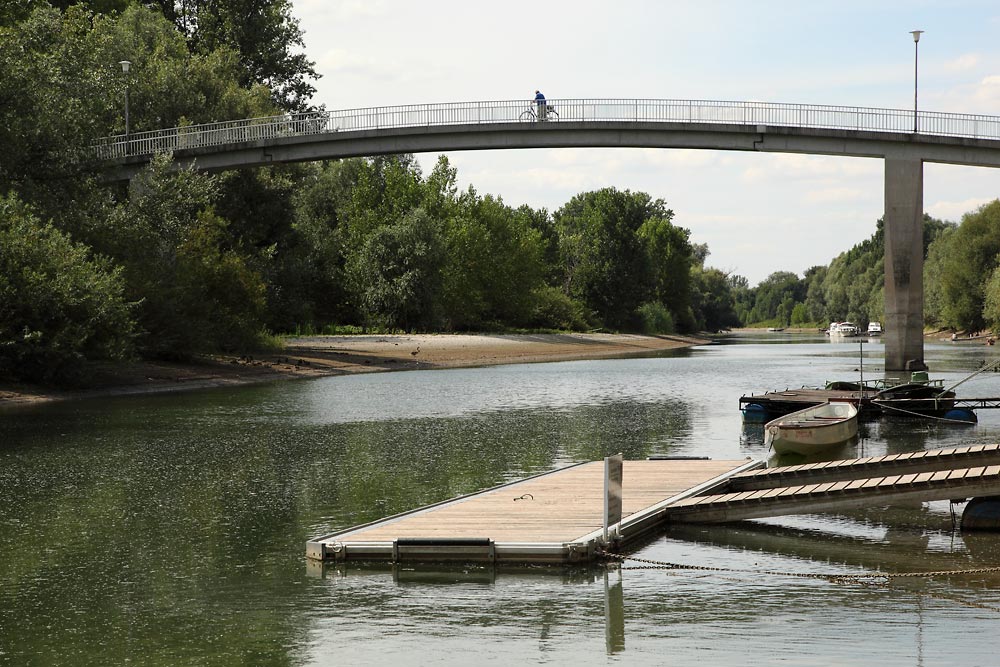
x=814 y=429
x=980 y=339
x=843 y=329
x=772 y=329
x=874 y=328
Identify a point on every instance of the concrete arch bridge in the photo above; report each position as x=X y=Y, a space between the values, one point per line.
x=903 y=139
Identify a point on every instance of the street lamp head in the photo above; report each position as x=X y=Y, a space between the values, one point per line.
x=916 y=35
x=125 y=65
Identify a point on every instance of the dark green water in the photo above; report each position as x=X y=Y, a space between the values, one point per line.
x=170 y=530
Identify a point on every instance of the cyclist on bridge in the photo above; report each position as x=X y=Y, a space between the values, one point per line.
x=540 y=101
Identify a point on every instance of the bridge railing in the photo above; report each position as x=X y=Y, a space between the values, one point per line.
x=584 y=110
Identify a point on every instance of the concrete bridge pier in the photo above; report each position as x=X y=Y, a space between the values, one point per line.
x=904 y=264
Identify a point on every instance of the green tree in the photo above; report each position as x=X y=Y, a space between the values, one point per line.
x=384 y=189
x=800 y=315
x=934 y=268
x=494 y=265
x=197 y=293
x=264 y=34
x=314 y=291
x=59 y=304
x=605 y=259
x=775 y=296
x=969 y=260
x=670 y=259
x=712 y=300
x=397 y=273
x=815 y=303
x=216 y=293
x=61 y=88
x=991 y=306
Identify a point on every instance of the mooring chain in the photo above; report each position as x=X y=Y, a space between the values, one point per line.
x=882 y=577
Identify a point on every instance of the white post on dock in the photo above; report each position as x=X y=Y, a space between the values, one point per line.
x=612 y=492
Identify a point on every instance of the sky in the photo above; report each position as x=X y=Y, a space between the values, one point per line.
x=758 y=212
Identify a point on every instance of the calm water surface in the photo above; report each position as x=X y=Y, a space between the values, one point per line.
x=170 y=530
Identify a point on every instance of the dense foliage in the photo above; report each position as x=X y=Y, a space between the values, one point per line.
x=180 y=263
x=58 y=303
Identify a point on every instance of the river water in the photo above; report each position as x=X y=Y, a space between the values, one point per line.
x=171 y=529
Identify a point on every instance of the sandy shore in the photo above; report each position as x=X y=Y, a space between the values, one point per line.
x=338 y=355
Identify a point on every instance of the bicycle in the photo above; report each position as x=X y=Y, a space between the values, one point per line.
x=530 y=115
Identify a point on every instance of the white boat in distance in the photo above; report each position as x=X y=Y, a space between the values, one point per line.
x=845 y=329
x=874 y=328
x=814 y=429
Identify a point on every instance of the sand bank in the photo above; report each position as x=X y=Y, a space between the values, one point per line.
x=317 y=356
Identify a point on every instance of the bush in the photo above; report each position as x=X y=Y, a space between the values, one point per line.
x=656 y=319
x=554 y=310
x=58 y=305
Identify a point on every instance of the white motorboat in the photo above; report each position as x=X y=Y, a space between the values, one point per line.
x=843 y=329
x=874 y=328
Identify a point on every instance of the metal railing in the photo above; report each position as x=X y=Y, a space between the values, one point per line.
x=511 y=111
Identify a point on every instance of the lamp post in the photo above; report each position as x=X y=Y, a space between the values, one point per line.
x=916 y=40
x=125 y=65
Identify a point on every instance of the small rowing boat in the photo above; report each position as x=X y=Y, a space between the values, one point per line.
x=814 y=429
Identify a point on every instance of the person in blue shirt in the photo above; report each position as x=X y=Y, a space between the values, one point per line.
x=540 y=101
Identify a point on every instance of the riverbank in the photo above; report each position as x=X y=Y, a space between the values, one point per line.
x=317 y=356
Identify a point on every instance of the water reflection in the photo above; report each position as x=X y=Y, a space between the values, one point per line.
x=614 y=612
x=171 y=529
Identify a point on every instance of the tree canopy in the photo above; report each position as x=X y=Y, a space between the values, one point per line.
x=181 y=263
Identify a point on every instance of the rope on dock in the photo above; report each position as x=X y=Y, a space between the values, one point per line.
x=868 y=579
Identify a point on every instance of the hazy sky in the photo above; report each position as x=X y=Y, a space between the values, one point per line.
x=758 y=212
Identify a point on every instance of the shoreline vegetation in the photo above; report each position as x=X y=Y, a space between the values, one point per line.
x=319 y=356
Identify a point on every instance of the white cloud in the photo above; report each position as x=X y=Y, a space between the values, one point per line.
x=789 y=167
x=315 y=11
x=954 y=210
x=836 y=195
x=965 y=62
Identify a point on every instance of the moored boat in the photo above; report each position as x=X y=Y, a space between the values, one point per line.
x=874 y=328
x=843 y=329
x=916 y=398
x=814 y=429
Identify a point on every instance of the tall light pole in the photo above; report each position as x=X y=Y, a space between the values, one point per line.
x=916 y=40
x=125 y=65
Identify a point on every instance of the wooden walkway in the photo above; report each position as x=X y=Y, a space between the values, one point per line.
x=554 y=517
x=558 y=517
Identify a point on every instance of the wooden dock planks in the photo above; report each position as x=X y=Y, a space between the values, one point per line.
x=558 y=508
x=557 y=517
x=909 y=462
x=839 y=496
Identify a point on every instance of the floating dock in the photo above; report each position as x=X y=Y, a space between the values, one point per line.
x=556 y=517
x=774 y=404
x=563 y=516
